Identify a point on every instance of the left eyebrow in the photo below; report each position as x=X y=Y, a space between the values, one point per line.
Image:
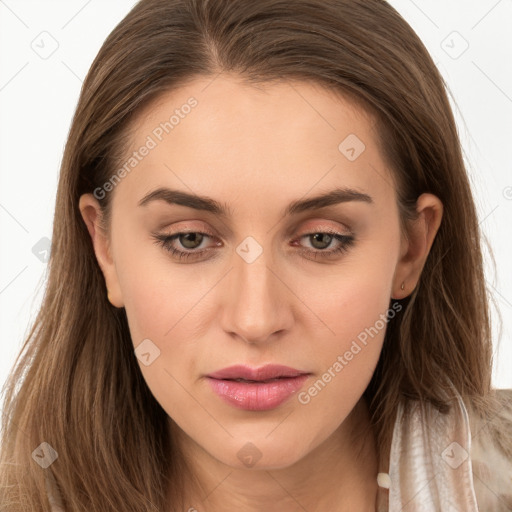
x=336 y=196
x=204 y=203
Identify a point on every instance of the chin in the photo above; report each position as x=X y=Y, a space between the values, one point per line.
x=259 y=454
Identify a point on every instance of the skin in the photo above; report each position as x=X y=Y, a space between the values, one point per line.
x=257 y=149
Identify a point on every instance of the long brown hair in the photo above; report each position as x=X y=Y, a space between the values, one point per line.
x=77 y=386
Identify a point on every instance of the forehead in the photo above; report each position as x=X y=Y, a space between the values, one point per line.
x=220 y=135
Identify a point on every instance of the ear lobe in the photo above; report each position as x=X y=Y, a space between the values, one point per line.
x=91 y=212
x=421 y=233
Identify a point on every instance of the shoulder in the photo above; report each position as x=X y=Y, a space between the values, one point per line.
x=491 y=455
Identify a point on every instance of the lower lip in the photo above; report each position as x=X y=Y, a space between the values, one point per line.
x=254 y=396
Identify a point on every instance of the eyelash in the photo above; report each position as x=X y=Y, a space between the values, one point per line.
x=346 y=241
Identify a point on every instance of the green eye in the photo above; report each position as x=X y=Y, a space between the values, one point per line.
x=192 y=240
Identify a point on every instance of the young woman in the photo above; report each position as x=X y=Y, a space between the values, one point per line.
x=265 y=287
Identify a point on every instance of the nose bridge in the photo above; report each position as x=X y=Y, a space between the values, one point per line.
x=254 y=308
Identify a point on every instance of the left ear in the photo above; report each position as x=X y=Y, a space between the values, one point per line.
x=416 y=246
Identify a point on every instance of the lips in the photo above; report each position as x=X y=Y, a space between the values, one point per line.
x=264 y=373
x=256 y=389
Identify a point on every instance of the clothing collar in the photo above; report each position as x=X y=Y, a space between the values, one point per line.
x=430 y=463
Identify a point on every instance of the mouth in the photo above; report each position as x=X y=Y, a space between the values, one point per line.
x=258 y=381
x=263 y=373
x=256 y=389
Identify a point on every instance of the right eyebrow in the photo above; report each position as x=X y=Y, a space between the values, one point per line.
x=172 y=196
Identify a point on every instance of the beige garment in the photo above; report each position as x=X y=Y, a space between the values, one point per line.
x=452 y=462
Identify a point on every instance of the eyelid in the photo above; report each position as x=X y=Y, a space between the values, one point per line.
x=344 y=230
x=325 y=228
x=176 y=228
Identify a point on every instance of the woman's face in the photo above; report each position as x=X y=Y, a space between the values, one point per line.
x=269 y=274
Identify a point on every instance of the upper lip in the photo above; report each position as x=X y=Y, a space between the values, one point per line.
x=269 y=371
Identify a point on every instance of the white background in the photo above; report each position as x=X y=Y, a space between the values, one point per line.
x=38 y=97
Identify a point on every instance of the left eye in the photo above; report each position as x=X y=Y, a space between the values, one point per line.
x=192 y=241
x=320 y=240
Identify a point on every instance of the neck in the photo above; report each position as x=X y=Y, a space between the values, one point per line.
x=338 y=475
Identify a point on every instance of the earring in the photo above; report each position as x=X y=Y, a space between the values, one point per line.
x=402 y=286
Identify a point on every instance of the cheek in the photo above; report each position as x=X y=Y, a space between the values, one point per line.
x=160 y=310
x=355 y=310
x=165 y=303
x=155 y=292
x=356 y=295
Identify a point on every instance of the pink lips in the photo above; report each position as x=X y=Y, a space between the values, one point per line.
x=257 y=389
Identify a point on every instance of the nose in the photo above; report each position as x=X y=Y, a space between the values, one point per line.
x=257 y=306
